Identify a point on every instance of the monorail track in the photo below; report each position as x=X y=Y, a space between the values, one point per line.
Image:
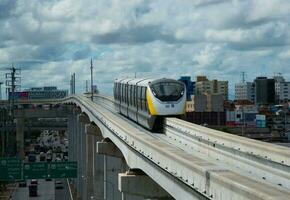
x=192 y=140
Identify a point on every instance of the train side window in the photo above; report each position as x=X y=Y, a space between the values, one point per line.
x=119 y=91
x=133 y=92
x=134 y=95
x=130 y=94
x=123 y=92
x=114 y=90
x=139 y=97
x=145 y=99
x=126 y=93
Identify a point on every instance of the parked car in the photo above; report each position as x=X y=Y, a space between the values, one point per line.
x=33 y=190
x=58 y=185
x=22 y=183
x=31 y=158
x=34 y=182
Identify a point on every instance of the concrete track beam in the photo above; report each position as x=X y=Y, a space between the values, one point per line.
x=109 y=149
x=141 y=185
x=82 y=118
x=91 y=129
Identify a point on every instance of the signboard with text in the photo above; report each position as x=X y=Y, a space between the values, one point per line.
x=35 y=170
x=10 y=169
x=62 y=170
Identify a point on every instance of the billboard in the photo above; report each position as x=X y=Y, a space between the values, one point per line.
x=55 y=94
x=18 y=95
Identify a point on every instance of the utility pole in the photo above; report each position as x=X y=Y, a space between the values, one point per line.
x=70 y=85
x=87 y=85
x=73 y=83
x=92 y=95
x=1 y=90
x=243 y=74
x=13 y=81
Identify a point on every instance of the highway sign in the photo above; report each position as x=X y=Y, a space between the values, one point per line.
x=10 y=169
x=62 y=170
x=35 y=170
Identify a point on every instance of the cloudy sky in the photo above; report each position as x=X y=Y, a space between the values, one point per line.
x=50 y=39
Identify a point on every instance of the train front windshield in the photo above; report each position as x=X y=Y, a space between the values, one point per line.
x=167 y=91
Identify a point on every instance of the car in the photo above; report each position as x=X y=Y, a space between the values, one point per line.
x=33 y=182
x=42 y=158
x=22 y=183
x=31 y=158
x=58 y=185
x=48 y=179
x=33 y=190
x=65 y=158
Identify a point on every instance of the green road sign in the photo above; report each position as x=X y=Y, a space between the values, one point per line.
x=35 y=170
x=62 y=170
x=10 y=169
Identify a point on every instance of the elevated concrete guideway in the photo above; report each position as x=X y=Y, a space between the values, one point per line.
x=117 y=158
x=184 y=174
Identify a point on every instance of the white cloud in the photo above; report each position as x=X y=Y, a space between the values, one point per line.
x=285 y=55
x=151 y=37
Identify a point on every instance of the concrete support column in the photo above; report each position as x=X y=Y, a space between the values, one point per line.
x=82 y=121
x=73 y=143
x=99 y=171
x=20 y=137
x=70 y=128
x=92 y=134
x=139 y=184
x=114 y=163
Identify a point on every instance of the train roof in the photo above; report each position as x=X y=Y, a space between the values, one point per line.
x=142 y=81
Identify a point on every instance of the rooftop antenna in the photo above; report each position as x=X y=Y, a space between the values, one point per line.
x=243 y=74
x=92 y=96
x=87 y=87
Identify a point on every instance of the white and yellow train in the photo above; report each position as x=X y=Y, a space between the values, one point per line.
x=148 y=101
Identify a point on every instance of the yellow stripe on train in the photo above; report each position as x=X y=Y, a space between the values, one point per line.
x=152 y=110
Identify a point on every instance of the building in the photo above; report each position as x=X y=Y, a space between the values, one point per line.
x=203 y=85
x=215 y=102
x=190 y=86
x=50 y=92
x=282 y=89
x=245 y=91
x=205 y=103
x=284 y=92
x=244 y=114
x=198 y=103
x=264 y=91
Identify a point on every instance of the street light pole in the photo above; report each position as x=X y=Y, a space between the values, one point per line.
x=285 y=120
x=92 y=80
x=1 y=91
